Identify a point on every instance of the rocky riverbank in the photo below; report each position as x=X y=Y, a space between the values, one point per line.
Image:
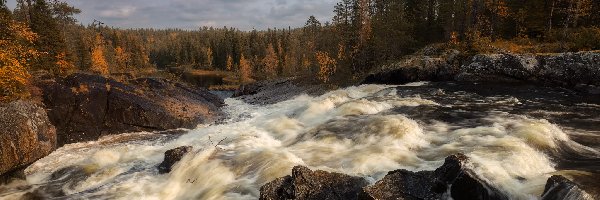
x=84 y=107
x=453 y=180
x=576 y=70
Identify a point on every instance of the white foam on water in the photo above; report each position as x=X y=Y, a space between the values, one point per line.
x=345 y=131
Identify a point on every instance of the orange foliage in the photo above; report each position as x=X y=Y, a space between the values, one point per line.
x=245 y=70
x=15 y=57
x=327 y=66
x=64 y=66
x=122 y=58
x=271 y=62
x=99 y=64
x=229 y=63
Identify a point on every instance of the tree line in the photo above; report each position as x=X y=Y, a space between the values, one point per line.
x=44 y=35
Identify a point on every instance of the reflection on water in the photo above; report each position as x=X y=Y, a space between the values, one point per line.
x=516 y=137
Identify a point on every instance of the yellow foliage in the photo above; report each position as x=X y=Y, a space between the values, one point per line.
x=64 y=66
x=209 y=58
x=123 y=58
x=305 y=63
x=245 y=70
x=327 y=66
x=229 y=63
x=15 y=57
x=271 y=62
x=99 y=64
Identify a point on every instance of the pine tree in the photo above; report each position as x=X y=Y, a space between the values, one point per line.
x=50 y=42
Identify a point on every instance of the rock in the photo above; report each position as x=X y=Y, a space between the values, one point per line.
x=274 y=91
x=430 y=64
x=307 y=184
x=453 y=176
x=26 y=136
x=563 y=69
x=403 y=184
x=559 y=187
x=172 y=157
x=579 y=70
x=84 y=107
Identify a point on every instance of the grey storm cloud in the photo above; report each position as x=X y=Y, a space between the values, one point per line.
x=190 y=14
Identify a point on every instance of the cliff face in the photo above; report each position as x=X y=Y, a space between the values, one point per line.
x=580 y=70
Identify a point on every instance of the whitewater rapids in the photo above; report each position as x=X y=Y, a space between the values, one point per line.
x=359 y=131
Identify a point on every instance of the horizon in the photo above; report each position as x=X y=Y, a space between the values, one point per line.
x=192 y=15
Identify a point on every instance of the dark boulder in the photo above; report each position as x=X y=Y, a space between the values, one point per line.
x=84 y=107
x=26 y=135
x=307 y=184
x=453 y=176
x=572 y=70
x=430 y=64
x=274 y=91
x=172 y=157
x=559 y=187
x=578 y=70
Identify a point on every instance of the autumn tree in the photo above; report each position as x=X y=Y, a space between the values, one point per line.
x=229 y=63
x=99 y=64
x=245 y=71
x=270 y=62
x=122 y=58
x=16 y=54
x=327 y=66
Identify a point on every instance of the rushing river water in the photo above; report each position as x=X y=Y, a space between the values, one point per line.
x=516 y=137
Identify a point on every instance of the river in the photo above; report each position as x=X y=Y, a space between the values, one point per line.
x=516 y=137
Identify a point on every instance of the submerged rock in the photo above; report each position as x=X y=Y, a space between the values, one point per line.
x=84 y=107
x=452 y=179
x=172 y=157
x=559 y=187
x=307 y=184
x=26 y=135
x=274 y=91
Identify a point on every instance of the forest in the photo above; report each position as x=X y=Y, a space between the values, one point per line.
x=43 y=37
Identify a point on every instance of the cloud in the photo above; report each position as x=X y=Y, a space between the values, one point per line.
x=191 y=14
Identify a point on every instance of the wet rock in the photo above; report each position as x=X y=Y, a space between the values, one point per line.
x=563 y=69
x=452 y=179
x=172 y=157
x=84 y=107
x=274 y=91
x=307 y=184
x=559 y=187
x=430 y=64
x=403 y=184
x=26 y=135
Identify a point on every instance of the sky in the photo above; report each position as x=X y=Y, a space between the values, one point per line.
x=192 y=14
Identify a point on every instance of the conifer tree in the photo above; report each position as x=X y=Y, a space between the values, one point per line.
x=50 y=42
